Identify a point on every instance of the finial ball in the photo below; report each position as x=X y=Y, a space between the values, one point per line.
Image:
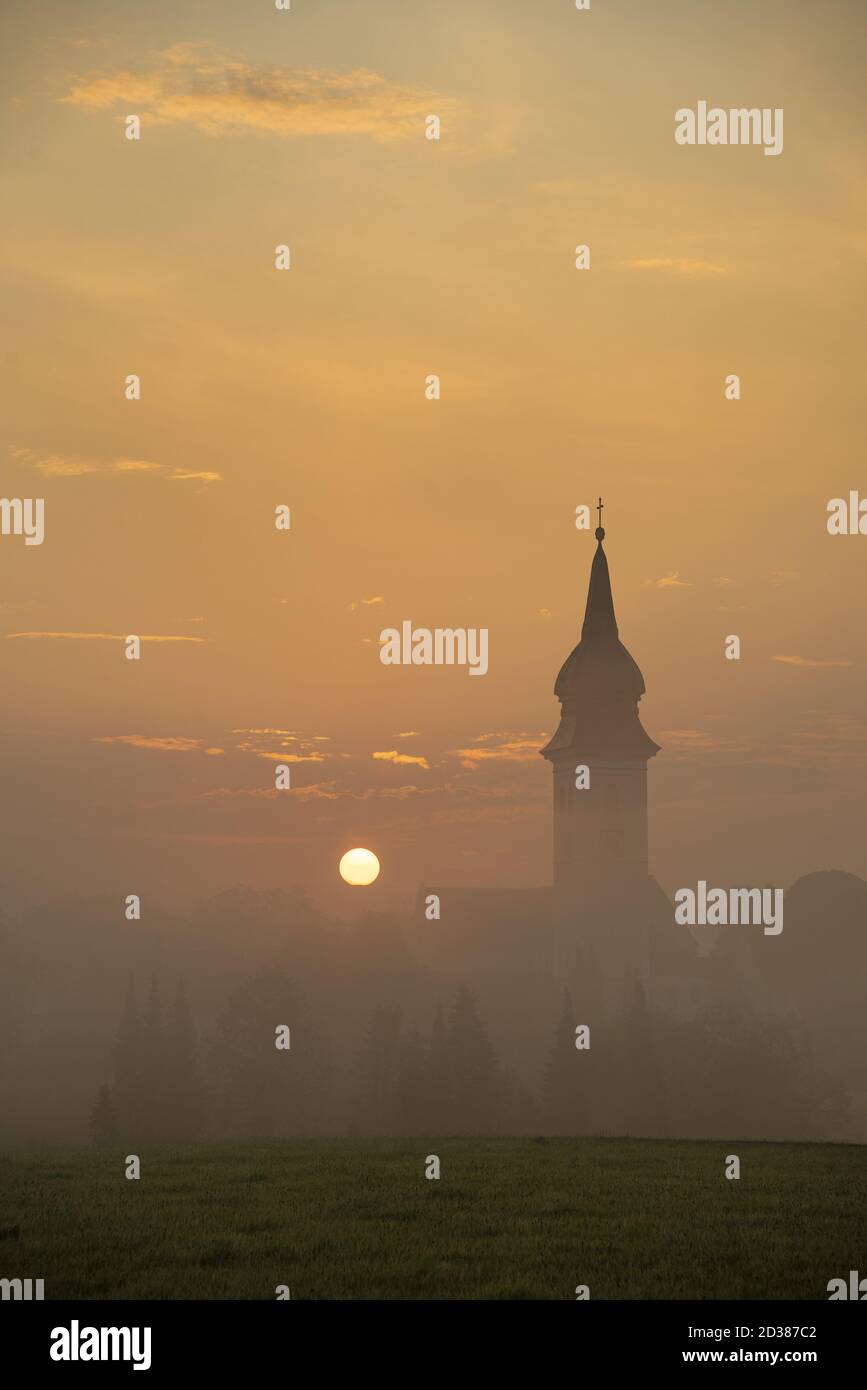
x=600 y=533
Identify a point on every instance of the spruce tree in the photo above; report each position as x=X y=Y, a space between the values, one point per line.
x=181 y=1085
x=475 y=1082
x=379 y=1068
x=129 y=1067
x=412 y=1096
x=257 y=1089
x=154 y=1069
x=643 y=1092
x=432 y=1110
x=103 y=1119
x=565 y=1085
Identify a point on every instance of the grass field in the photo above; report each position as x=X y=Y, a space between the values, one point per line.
x=509 y=1218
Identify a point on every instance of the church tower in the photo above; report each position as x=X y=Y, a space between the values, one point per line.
x=600 y=830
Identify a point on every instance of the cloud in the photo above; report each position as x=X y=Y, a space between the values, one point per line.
x=71 y=466
x=318 y=791
x=284 y=757
x=476 y=815
x=834 y=739
x=807 y=661
x=282 y=733
x=679 y=266
x=451 y=795
x=689 y=738
x=500 y=734
x=404 y=759
x=195 y=85
x=260 y=742
x=104 y=636
x=514 y=750
x=669 y=581
x=161 y=745
x=365 y=602
x=686 y=745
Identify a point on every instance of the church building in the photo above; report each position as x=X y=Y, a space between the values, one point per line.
x=604 y=923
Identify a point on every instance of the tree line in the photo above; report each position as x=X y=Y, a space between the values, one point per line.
x=724 y=1073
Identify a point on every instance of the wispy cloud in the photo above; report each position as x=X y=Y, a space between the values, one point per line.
x=689 y=738
x=280 y=733
x=72 y=466
x=196 y=85
x=807 y=661
x=519 y=811
x=512 y=750
x=365 y=603
x=669 y=581
x=404 y=759
x=502 y=735
x=285 y=757
x=834 y=739
x=410 y=733
x=102 y=637
x=161 y=745
x=689 y=745
x=677 y=265
x=291 y=746
x=317 y=791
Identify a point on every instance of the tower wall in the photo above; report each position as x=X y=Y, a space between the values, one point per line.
x=600 y=832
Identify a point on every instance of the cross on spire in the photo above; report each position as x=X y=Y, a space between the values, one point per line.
x=600 y=534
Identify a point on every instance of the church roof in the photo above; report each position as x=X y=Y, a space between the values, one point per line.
x=600 y=658
x=599 y=684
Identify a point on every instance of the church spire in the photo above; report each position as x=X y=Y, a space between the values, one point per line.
x=600 y=623
x=600 y=825
x=599 y=673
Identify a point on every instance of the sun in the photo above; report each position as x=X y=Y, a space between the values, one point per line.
x=359 y=867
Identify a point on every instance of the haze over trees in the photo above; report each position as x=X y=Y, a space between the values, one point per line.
x=164 y=1031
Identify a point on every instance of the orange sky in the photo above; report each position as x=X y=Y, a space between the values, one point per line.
x=306 y=387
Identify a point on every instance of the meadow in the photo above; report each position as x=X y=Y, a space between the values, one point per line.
x=507 y=1219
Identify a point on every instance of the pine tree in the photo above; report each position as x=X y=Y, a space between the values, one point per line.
x=154 y=1070
x=129 y=1067
x=412 y=1102
x=643 y=1090
x=475 y=1096
x=259 y=1091
x=182 y=1089
x=565 y=1085
x=380 y=1064
x=103 y=1119
x=430 y=1108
